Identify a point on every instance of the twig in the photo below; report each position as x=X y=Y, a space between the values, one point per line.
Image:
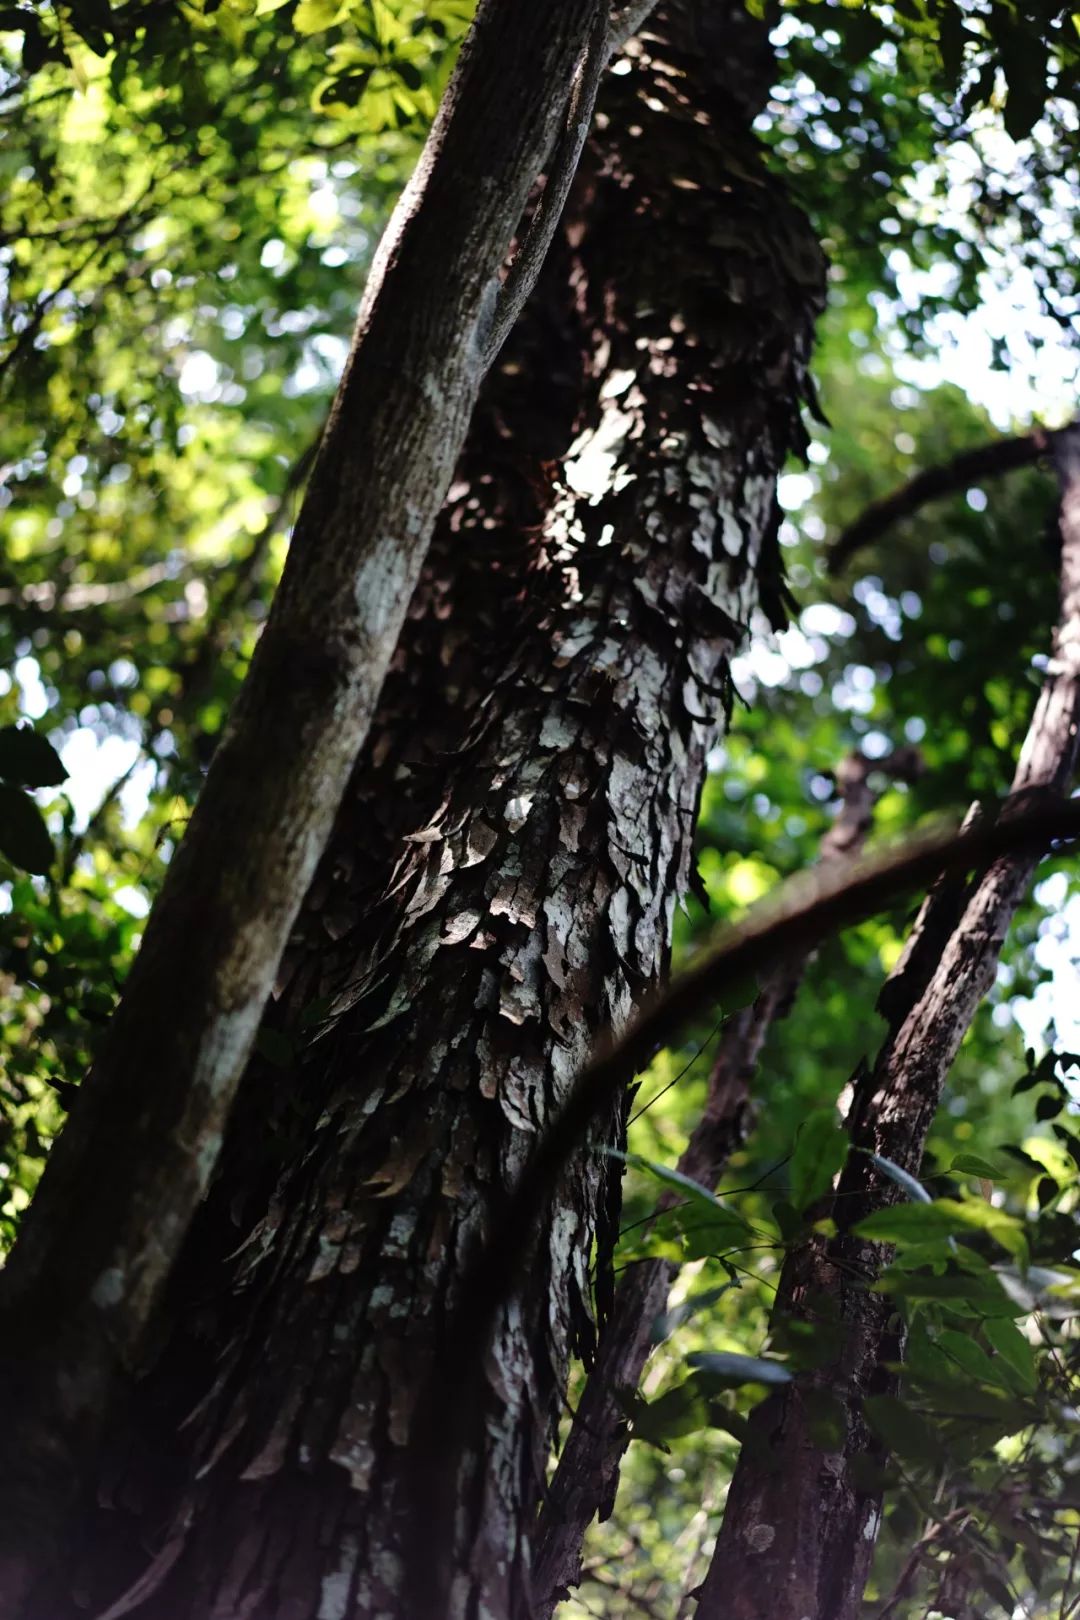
x=970 y=467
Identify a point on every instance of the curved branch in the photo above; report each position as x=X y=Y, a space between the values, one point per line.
x=970 y=467
x=802 y=913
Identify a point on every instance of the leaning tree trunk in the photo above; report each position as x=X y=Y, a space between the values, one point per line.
x=528 y=905
x=75 y=1302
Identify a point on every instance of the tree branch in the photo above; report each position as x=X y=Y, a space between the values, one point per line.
x=970 y=467
x=608 y=37
x=521 y=277
x=625 y=22
x=797 y=918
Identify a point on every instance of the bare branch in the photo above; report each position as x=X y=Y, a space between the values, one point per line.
x=970 y=467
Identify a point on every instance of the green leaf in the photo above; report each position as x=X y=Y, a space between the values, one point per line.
x=983 y=1295
x=969 y=1164
x=967 y=1355
x=677 y=1412
x=726 y=1367
x=944 y=1218
x=1011 y=1345
x=820 y=1151
x=315 y=16
x=907 y=1223
x=28 y=760
x=905 y=1431
x=24 y=837
x=669 y=1320
x=692 y=1190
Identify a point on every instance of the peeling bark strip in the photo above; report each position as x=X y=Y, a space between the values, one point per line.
x=528 y=910
x=77 y=1300
x=798 y=1533
x=585 y=1481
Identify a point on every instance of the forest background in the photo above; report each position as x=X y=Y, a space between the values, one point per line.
x=192 y=198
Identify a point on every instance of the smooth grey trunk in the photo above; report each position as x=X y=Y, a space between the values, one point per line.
x=799 y=1528
x=124 y=1180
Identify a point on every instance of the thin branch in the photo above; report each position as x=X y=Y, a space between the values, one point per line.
x=970 y=467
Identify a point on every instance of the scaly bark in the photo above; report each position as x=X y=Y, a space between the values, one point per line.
x=76 y=1299
x=799 y=1528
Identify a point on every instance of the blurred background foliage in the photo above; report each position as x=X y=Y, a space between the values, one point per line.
x=191 y=195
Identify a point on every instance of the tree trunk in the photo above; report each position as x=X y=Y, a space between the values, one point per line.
x=800 y=1524
x=529 y=904
x=77 y=1300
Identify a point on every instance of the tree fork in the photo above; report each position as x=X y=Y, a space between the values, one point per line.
x=96 y=1250
x=798 y=1533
